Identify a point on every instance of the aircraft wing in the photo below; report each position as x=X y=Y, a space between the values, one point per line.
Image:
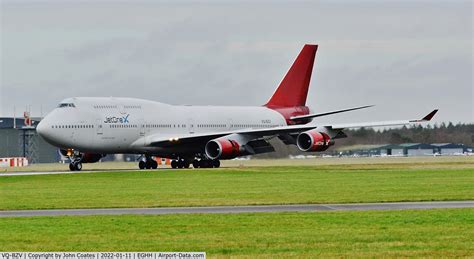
x=314 y=115
x=167 y=140
x=382 y=123
x=163 y=140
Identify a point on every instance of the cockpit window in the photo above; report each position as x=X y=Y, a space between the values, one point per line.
x=63 y=105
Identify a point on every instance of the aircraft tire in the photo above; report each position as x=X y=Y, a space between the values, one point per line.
x=148 y=164
x=174 y=164
x=78 y=166
x=141 y=165
x=180 y=163
x=72 y=167
x=154 y=164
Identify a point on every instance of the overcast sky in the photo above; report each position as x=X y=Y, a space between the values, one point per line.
x=406 y=57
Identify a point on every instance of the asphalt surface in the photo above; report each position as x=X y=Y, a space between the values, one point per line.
x=70 y=172
x=32 y=173
x=85 y=171
x=243 y=209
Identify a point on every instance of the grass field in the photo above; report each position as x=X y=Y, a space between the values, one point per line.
x=429 y=233
x=344 y=183
x=410 y=233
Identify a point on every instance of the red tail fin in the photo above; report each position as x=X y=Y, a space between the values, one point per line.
x=293 y=89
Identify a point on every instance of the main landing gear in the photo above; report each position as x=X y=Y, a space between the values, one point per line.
x=147 y=162
x=179 y=163
x=202 y=163
x=206 y=163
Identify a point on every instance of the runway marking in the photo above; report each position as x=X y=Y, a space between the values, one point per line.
x=243 y=209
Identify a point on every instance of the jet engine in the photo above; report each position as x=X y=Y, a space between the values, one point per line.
x=312 y=140
x=223 y=148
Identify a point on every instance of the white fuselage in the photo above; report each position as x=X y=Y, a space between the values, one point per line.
x=124 y=125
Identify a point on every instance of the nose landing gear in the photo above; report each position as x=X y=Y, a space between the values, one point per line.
x=75 y=166
x=76 y=160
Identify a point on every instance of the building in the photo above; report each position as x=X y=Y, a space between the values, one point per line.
x=408 y=149
x=20 y=140
x=450 y=149
x=420 y=149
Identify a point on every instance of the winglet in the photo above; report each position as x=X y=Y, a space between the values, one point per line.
x=427 y=117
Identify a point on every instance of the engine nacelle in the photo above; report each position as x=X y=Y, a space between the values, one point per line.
x=223 y=148
x=312 y=140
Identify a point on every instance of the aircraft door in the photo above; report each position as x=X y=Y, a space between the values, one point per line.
x=98 y=127
x=142 y=128
x=191 y=126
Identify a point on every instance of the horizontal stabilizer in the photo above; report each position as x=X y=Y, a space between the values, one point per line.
x=309 y=116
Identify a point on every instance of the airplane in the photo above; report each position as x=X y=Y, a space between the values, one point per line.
x=85 y=129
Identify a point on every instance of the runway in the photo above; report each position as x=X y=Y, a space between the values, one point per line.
x=118 y=170
x=70 y=172
x=32 y=173
x=243 y=209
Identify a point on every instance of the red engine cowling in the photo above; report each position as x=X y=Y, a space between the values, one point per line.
x=222 y=148
x=313 y=141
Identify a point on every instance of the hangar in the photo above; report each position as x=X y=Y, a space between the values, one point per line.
x=420 y=149
x=451 y=148
x=19 y=139
x=407 y=149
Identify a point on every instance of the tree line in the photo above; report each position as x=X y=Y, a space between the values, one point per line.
x=438 y=133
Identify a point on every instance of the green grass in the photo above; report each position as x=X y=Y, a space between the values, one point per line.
x=239 y=186
x=427 y=233
x=411 y=233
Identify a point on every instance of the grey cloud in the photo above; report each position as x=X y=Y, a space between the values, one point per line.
x=408 y=57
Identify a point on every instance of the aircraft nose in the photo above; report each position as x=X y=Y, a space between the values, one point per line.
x=43 y=128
